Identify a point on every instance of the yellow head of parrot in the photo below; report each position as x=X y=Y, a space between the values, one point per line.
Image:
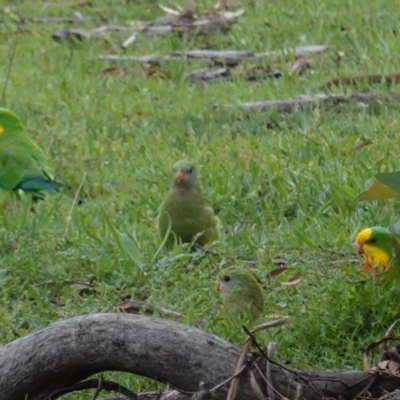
x=361 y=238
x=368 y=245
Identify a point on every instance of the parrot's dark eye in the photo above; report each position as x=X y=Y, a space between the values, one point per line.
x=190 y=170
x=226 y=278
x=373 y=240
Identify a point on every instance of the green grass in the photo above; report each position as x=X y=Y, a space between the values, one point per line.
x=284 y=185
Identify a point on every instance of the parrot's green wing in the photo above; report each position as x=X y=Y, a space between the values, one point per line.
x=189 y=216
x=22 y=162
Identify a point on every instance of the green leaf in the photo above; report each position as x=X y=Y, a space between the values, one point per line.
x=390 y=179
x=378 y=191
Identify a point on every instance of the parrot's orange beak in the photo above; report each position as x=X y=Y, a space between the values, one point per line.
x=179 y=176
x=358 y=247
x=217 y=285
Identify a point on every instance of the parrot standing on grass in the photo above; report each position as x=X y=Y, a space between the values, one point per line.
x=375 y=244
x=22 y=161
x=186 y=211
x=241 y=293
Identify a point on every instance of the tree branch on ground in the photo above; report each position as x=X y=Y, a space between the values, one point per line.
x=290 y=105
x=222 y=57
x=69 y=351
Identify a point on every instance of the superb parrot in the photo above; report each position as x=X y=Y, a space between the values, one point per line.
x=22 y=161
x=186 y=211
x=375 y=244
x=241 y=293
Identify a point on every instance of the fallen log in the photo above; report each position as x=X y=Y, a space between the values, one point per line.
x=66 y=352
x=290 y=105
x=229 y=57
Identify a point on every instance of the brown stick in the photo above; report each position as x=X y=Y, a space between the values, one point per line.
x=290 y=105
x=226 y=56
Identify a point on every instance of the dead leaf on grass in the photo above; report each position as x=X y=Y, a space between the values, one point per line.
x=57 y=302
x=375 y=346
x=378 y=191
x=299 y=66
x=292 y=281
x=116 y=71
x=360 y=144
x=154 y=69
x=275 y=272
x=392 y=366
x=83 y=287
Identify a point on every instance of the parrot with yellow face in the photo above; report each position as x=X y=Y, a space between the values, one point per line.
x=22 y=161
x=375 y=244
x=185 y=210
x=241 y=293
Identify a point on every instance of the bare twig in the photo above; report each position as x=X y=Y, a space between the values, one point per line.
x=99 y=387
x=240 y=366
x=271 y=390
x=95 y=384
x=223 y=383
x=270 y=352
x=270 y=324
x=207 y=75
x=128 y=41
x=80 y=34
x=391 y=327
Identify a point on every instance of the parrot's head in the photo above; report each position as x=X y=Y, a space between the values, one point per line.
x=375 y=244
x=240 y=292
x=9 y=122
x=185 y=175
x=234 y=279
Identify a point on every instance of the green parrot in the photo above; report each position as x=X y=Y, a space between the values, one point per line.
x=186 y=210
x=22 y=162
x=241 y=293
x=375 y=244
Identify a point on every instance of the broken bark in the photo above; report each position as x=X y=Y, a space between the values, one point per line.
x=81 y=34
x=207 y=75
x=226 y=57
x=187 y=22
x=68 y=351
x=290 y=105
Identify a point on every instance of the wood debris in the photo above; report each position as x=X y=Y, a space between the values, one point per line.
x=80 y=34
x=290 y=105
x=225 y=57
x=389 y=79
x=207 y=75
x=178 y=21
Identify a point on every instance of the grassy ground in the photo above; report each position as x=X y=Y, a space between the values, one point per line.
x=284 y=185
